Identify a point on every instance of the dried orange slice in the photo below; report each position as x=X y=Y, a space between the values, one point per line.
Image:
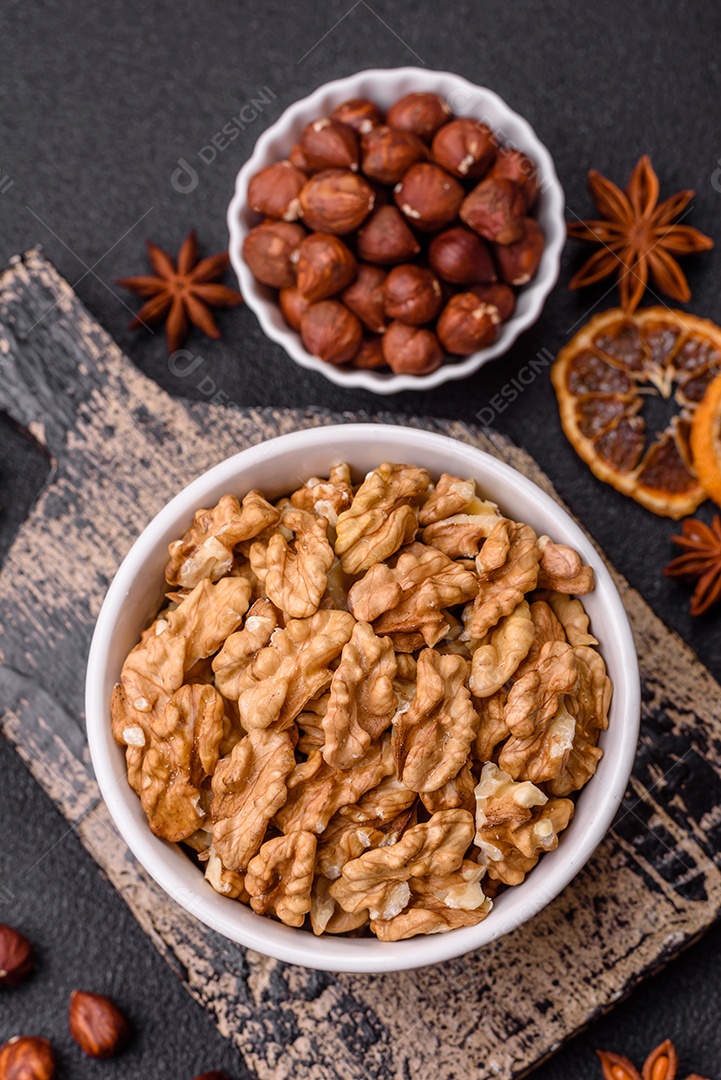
x=617 y=370
x=706 y=441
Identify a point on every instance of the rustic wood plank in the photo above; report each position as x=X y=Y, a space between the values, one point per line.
x=121 y=447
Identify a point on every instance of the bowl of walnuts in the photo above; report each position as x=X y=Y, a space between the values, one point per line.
x=397 y=229
x=362 y=698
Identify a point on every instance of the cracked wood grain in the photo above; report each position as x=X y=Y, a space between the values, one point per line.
x=120 y=448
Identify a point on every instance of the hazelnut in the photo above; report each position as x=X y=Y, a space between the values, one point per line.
x=16 y=956
x=297 y=157
x=411 y=350
x=27 y=1057
x=502 y=296
x=518 y=262
x=268 y=250
x=420 y=113
x=332 y=332
x=495 y=209
x=366 y=297
x=370 y=355
x=467 y=324
x=428 y=196
x=386 y=238
x=460 y=256
x=513 y=165
x=359 y=113
x=96 y=1024
x=413 y=295
x=464 y=148
x=325 y=266
x=388 y=154
x=329 y=144
x=336 y=201
x=214 y=1074
x=293 y=305
x=273 y=192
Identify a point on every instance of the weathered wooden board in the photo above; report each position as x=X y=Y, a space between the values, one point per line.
x=120 y=447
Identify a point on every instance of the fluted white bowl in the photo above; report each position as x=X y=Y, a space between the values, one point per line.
x=385 y=86
x=279 y=466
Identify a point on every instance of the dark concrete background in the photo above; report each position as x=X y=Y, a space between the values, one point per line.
x=100 y=103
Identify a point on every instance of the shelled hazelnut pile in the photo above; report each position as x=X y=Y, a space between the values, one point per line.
x=437 y=233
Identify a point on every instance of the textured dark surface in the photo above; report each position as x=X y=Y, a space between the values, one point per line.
x=86 y=937
x=102 y=107
x=120 y=448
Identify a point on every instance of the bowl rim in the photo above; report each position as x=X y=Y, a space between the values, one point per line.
x=169 y=866
x=537 y=291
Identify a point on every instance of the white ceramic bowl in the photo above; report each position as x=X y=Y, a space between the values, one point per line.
x=276 y=467
x=385 y=86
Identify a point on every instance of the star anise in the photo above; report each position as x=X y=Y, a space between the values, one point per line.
x=700 y=563
x=182 y=293
x=661 y=1064
x=638 y=235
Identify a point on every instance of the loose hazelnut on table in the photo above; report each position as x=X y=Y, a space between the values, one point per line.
x=366 y=297
x=329 y=144
x=422 y=113
x=467 y=324
x=370 y=355
x=27 y=1057
x=332 y=332
x=293 y=305
x=335 y=201
x=411 y=350
x=268 y=250
x=16 y=957
x=460 y=256
x=273 y=192
x=412 y=294
x=97 y=1024
x=214 y=1074
x=386 y=154
x=428 y=196
x=500 y=295
x=386 y=238
x=495 y=210
x=359 y=113
x=518 y=262
x=513 y=165
x=464 y=148
x=325 y=266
